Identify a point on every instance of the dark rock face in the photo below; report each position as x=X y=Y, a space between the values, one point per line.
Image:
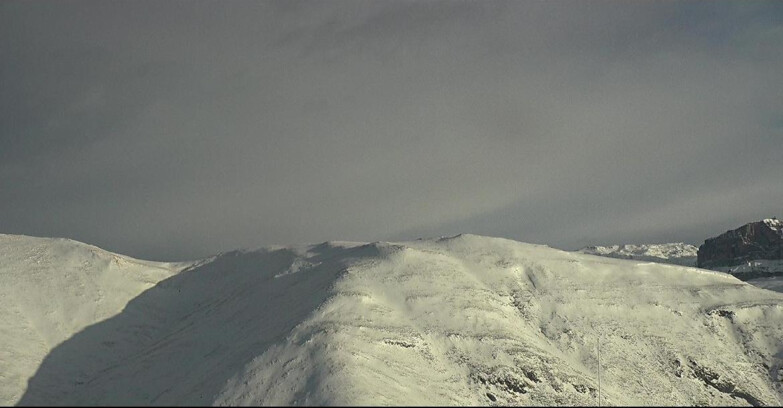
x=757 y=240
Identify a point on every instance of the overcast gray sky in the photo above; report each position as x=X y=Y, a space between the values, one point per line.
x=174 y=130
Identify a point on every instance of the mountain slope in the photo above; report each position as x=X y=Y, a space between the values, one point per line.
x=466 y=320
x=763 y=273
x=53 y=288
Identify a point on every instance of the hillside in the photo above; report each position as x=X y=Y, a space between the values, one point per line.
x=758 y=272
x=466 y=320
x=53 y=288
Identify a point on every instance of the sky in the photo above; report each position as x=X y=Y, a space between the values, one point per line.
x=176 y=130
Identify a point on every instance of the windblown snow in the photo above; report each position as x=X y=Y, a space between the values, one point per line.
x=465 y=320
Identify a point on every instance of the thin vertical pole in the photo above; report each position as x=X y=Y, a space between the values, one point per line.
x=599 y=369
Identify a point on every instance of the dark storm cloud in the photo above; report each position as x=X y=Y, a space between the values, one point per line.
x=173 y=130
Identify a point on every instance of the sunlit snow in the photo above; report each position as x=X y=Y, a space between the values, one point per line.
x=466 y=320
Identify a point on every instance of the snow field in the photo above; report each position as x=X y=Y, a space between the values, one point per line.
x=465 y=320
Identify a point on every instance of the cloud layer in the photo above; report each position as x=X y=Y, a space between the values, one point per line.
x=173 y=130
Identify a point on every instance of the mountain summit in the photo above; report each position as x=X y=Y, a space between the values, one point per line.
x=465 y=320
x=761 y=240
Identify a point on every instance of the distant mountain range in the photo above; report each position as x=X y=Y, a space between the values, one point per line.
x=751 y=252
x=673 y=253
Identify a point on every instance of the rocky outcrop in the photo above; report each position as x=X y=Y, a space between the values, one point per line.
x=756 y=240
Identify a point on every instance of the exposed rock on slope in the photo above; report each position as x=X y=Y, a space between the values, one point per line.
x=466 y=320
x=756 y=244
x=762 y=240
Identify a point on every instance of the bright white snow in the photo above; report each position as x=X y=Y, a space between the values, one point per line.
x=50 y=289
x=675 y=253
x=466 y=320
x=774 y=223
x=685 y=254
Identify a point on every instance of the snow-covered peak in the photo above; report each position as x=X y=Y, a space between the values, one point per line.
x=677 y=253
x=52 y=288
x=774 y=223
x=466 y=320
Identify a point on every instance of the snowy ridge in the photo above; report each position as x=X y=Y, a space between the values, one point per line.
x=465 y=320
x=685 y=255
x=51 y=288
x=676 y=253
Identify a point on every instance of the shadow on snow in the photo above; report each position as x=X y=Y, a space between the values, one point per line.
x=181 y=340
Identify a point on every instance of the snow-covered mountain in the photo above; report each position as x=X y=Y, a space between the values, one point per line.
x=754 y=241
x=752 y=271
x=51 y=289
x=674 y=253
x=465 y=320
